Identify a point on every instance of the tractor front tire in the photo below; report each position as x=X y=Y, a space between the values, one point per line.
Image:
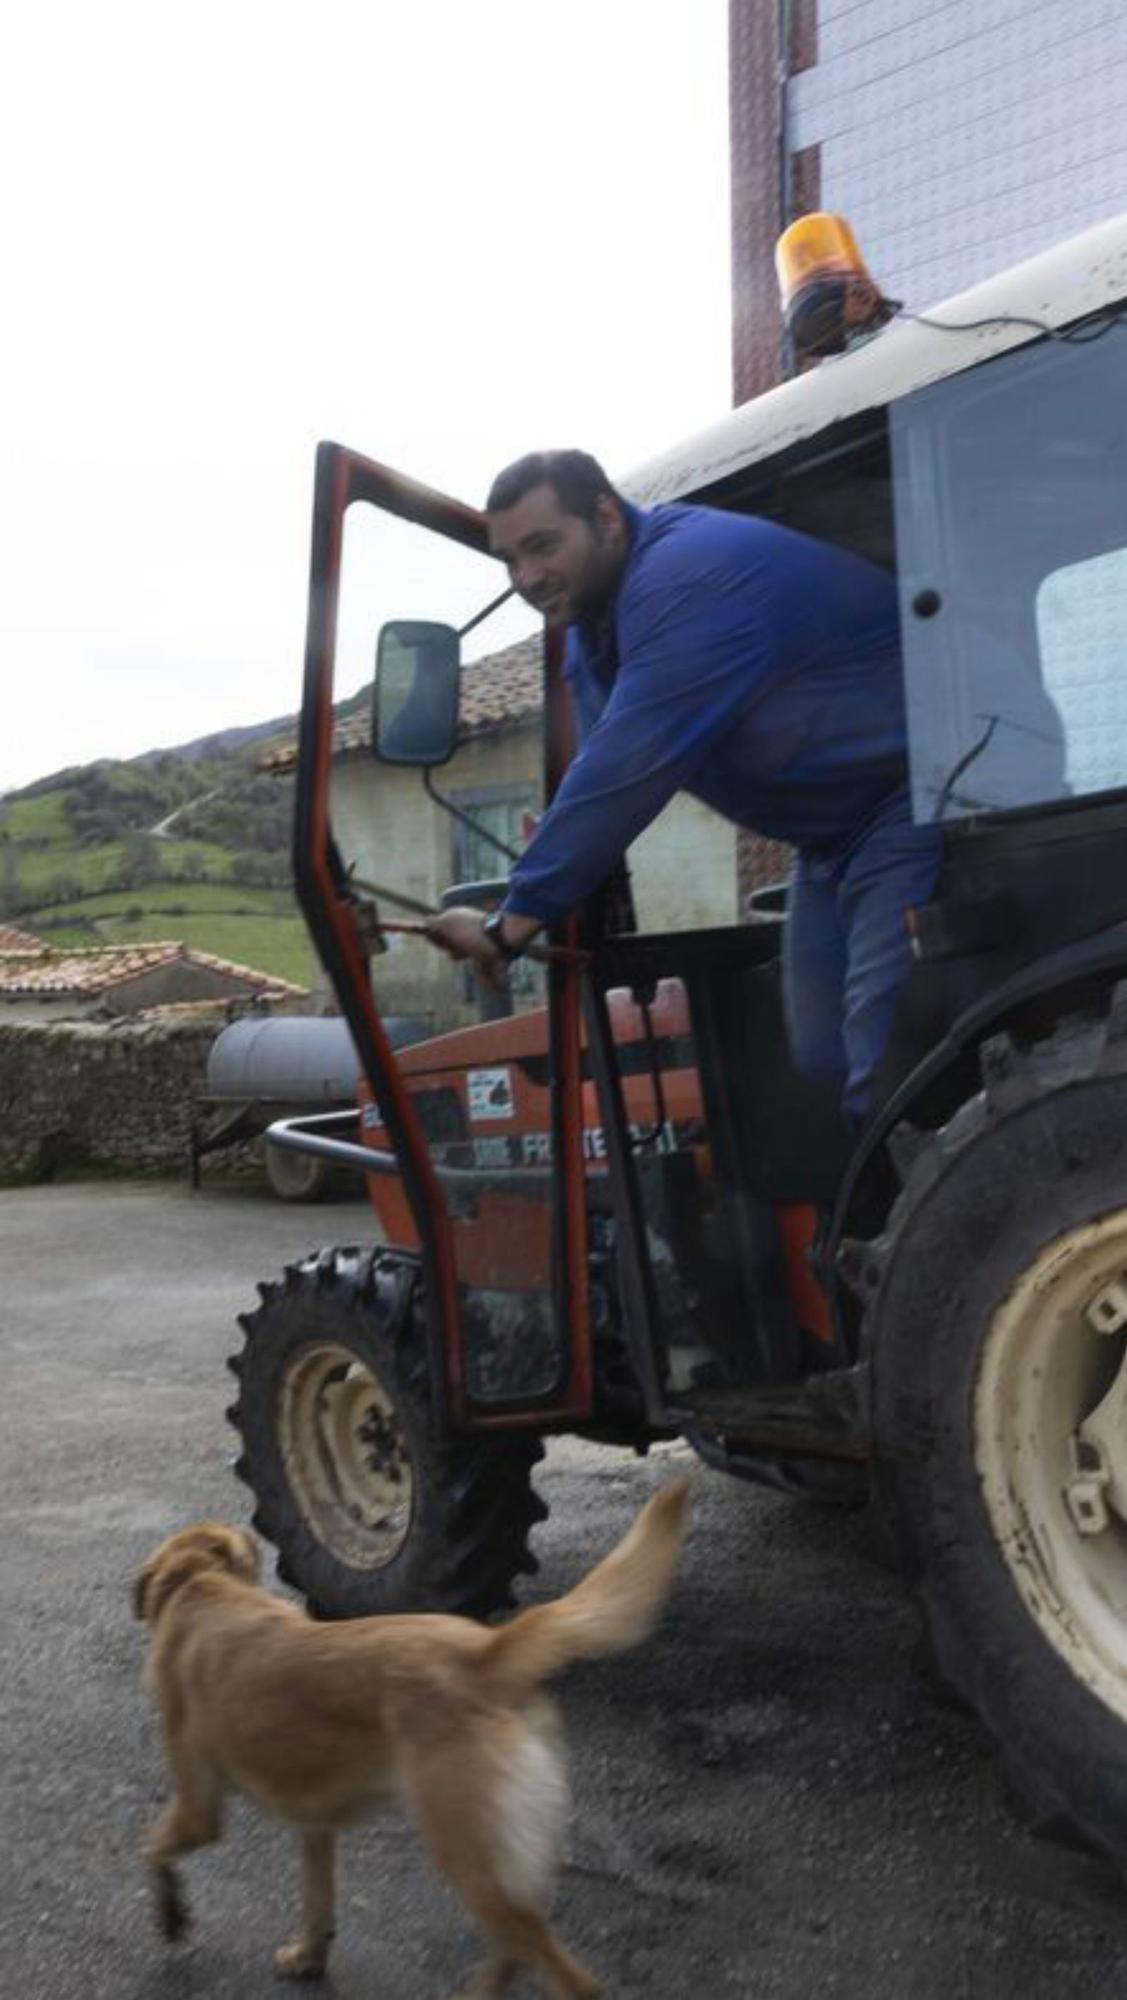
x=997 y=1326
x=371 y=1511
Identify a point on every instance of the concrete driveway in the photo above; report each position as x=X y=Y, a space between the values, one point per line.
x=767 y=1801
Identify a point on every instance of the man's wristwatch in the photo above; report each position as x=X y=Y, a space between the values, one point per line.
x=495 y=934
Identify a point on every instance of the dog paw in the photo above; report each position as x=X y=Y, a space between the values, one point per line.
x=300 y=1961
x=172 y=1914
x=489 y=1981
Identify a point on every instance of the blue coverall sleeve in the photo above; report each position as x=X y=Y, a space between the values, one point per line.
x=692 y=656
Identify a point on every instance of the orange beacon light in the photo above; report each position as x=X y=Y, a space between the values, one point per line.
x=828 y=297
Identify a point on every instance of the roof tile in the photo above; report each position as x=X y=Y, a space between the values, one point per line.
x=85 y=972
x=12 y=939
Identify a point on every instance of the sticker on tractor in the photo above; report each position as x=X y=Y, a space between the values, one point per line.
x=489 y=1093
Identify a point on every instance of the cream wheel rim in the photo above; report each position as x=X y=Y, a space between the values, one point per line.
x=346 y=1455
x=1050 y=1434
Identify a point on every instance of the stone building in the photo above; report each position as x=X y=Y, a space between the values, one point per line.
x=110 y=981
x=682 y=869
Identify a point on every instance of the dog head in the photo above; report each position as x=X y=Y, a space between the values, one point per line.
x=190 y=1552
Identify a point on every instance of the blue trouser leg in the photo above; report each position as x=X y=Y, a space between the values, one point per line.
x=847 y=954
x=814 y=968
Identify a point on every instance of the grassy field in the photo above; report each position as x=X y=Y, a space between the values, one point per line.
x=230 y=899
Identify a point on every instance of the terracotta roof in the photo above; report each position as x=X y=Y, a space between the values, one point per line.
x=13 y=940
x=85 y=973
x=501 y=690
x=268 y=981
x=220 y=1004
x=504 y=687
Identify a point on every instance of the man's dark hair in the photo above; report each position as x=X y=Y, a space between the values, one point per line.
x=577 y=479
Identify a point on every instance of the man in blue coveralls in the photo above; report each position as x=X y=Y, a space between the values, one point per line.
x=756 y=668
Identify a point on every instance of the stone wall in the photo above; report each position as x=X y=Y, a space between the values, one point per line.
x=115 y=1096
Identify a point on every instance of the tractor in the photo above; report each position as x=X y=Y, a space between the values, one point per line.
x=620 y=1213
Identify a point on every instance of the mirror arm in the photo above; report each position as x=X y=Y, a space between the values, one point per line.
x=487 y=613
x=467 y=819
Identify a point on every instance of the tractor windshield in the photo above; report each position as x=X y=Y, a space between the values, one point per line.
x=390 y=831
x=1011 y=525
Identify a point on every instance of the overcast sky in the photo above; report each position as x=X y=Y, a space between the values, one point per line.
x=441 y=231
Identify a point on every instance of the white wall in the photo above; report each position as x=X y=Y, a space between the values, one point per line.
x=386 y=825
x=683 y=868
x=959 y=136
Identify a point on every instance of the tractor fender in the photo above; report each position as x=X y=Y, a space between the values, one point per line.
x=1075 y=978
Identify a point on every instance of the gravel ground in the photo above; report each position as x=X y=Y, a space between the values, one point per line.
x=768 y=1801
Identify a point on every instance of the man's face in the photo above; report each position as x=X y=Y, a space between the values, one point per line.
x=567 y=568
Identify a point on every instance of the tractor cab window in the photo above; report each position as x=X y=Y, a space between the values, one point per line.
x=1082 y=641
x=479 y=1078
x=1012 y=546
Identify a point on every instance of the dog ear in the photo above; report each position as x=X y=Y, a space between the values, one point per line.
x=206 y=1547
x=248 y=1562
x=167 y=1570
x=141 y=1583
x=232 y=1549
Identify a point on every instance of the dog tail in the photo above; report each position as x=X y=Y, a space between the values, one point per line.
x=615 y=1607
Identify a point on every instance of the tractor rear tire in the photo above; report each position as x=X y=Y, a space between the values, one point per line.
x=371 y=1511
x=997 y=1326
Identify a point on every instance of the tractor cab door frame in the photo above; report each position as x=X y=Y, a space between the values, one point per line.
x=342 y=478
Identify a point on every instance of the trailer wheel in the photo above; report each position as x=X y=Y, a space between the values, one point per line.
x=295 y=1176
x=369 y=1511
x=997 y=1322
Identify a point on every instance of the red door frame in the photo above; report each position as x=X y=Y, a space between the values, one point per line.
x=342 y=477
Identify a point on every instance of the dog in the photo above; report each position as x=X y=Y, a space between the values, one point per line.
x=326 y=1724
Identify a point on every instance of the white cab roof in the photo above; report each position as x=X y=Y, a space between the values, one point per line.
x=1060 y=285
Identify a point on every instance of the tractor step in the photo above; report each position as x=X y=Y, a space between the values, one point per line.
x=825 y=1416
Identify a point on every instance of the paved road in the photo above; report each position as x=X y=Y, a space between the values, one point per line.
x=768 y=1803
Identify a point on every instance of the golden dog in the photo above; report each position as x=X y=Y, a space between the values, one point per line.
x=324 y=1724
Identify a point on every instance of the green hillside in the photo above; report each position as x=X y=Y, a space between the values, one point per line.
x=169 y=846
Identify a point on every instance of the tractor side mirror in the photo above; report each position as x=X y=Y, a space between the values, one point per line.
x=415 y=696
